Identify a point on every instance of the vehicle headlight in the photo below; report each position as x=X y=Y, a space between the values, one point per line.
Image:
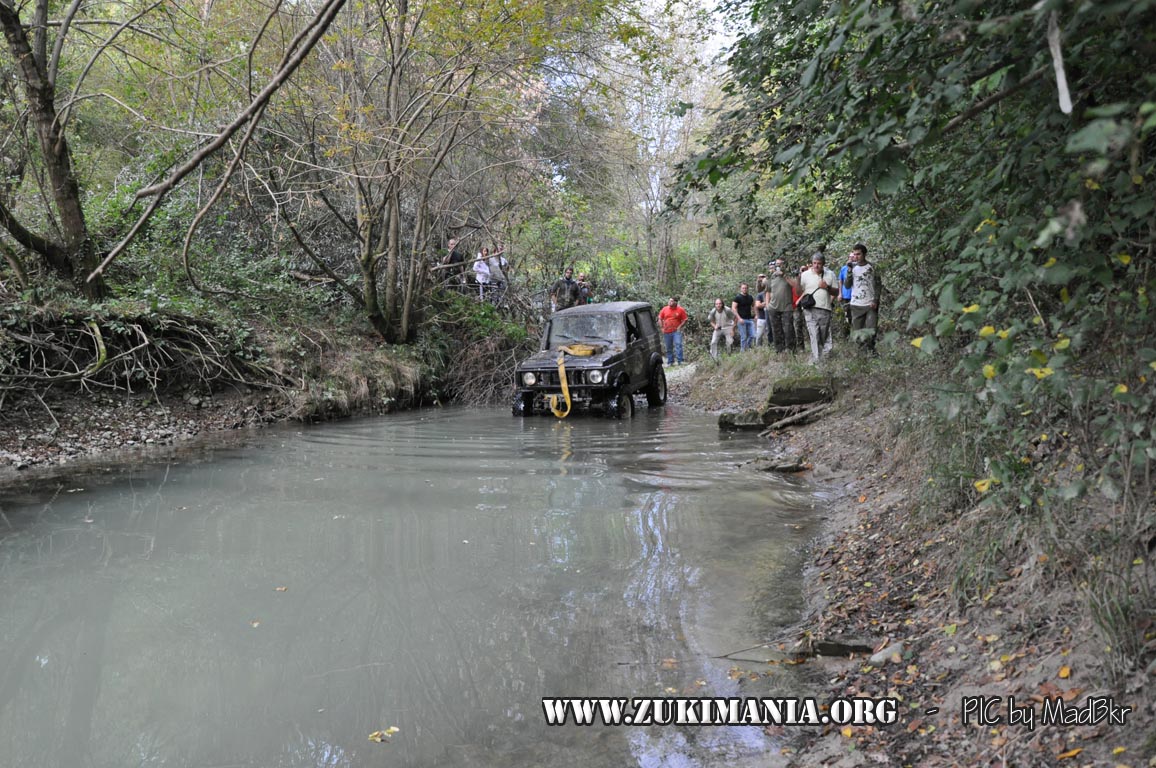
x=597 y=377
x=529 y=379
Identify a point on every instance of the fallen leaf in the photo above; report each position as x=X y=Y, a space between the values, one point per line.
x=847 y=731
x=1065 y=673
x=1069 y=754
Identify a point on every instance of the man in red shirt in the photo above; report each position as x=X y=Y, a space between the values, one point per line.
x=671 y=319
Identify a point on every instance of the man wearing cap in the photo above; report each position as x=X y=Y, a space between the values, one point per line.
x=781 y=306
x=671 y=318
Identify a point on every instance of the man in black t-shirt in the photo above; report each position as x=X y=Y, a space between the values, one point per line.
x=743 y=306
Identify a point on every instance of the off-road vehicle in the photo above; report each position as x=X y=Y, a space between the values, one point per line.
x=606 y=352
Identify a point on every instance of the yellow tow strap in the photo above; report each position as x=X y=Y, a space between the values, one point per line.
x=577 y=350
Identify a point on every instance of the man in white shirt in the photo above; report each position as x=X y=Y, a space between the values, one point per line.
x=863 y=281
x=821 y=284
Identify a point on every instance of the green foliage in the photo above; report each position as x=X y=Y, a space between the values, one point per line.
x=1020 y=239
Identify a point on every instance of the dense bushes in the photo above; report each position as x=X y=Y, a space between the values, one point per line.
x=1022 y=241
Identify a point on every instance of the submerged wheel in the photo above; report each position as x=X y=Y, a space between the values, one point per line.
x=621 y=406
x=523 y=404
x=656 y=390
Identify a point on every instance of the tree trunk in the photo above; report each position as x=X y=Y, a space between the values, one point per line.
x=78 y=249
x=392 y=237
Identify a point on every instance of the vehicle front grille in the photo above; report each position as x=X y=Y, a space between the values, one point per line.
x=573 y=378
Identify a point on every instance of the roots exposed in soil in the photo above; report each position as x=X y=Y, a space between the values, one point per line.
x=146 y=352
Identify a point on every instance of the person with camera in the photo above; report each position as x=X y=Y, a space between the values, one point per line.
x=761 y=327
x=818 y=286
x=780 y=303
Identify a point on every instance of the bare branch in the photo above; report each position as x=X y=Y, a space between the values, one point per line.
x=54 y=61
x=67 y=110
x=298 y=49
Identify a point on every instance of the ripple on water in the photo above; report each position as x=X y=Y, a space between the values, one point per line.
x=439 y=571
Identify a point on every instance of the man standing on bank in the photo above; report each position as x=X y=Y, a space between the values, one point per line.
x=781 y=306
x=565 y=292
x=821 y=284
x=865 y=285
x=671 y=318
x=743 y=305
x=722 y=322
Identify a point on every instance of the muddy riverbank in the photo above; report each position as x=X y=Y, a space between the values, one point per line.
x=884 y=574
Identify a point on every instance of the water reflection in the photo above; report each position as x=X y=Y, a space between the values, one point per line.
x=437 y=571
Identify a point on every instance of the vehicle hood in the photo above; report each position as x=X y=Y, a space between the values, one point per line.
x=548 y=358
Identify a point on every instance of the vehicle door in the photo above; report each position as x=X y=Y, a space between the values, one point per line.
x=637 y=348
x=649 y=329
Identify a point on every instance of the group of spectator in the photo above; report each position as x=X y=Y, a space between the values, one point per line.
x=487 y=273
x=788 y=308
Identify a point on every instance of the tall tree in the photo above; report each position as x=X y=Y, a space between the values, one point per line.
x=41 y=55
x=401 y=88
x=69 y=249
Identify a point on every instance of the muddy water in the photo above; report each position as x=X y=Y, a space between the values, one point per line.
x=274 y=603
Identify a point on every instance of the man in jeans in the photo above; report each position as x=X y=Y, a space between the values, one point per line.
x=781 y=306
x=743 y=305
x=671 y=319
x=820 y=283
x=864 y=285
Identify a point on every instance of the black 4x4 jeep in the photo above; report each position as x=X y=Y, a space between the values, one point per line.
x=609 y=352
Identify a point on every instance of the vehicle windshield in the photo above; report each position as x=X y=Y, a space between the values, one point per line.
x=572 y=329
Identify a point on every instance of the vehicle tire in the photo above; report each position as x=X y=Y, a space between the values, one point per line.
x=523 y=404
x=621 y=406
x=656 y=390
